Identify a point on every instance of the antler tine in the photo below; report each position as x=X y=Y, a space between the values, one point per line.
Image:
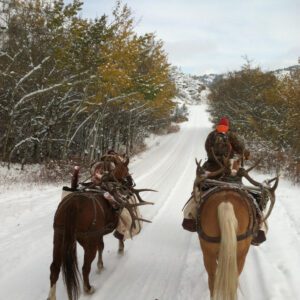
x=218 y=172
x=251 y=180
x=198 y=163
x=272 y=199
x=215 y=173
x=271 y=180
x=139 y=197
x=132 y=212
x=216 y=159
x=133 y=217
x=272 y=191
x=138 y=191
x=139 y=204
x=144 y=190
x=254 y=166
x=141 y=219
x=274 y=187
x=133 y=225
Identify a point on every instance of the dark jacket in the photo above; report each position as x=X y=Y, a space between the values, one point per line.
x=235 y=145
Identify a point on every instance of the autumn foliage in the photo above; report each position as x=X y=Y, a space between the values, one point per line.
x=264 y=108
x=76 y=87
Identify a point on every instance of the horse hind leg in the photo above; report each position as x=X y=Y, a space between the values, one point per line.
x=241 y=260
x=100 y=252
x=55 y=266
x=120 y=238
x=52 y=292
x=121 y=247
x=210 y=264
x=90 y=251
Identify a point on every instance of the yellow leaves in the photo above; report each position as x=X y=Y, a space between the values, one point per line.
x=261 y=106
x=123 y=63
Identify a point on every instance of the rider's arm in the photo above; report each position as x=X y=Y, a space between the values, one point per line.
x=237 y=144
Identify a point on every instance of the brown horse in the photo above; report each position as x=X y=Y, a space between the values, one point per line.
x=226 y=224
x=83 y=217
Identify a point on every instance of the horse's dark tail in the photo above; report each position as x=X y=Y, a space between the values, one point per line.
x=69 y=255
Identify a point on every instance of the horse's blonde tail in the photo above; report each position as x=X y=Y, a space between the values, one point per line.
x=226 y=279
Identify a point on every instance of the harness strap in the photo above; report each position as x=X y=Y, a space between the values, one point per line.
x=86 y=234
x=90 y=232
x=217 y=239
x=252 y=226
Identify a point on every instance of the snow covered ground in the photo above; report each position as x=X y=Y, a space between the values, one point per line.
x=164 y=262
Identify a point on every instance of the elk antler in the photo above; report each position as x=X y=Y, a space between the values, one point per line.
x=272 y=195
x=123 y=202
x=137 y=193
x=274 y=187
x=272 y=199
x=271 y=191
x=198 y=163
x=244 y=173
x=215 y=158
x=200 y=172
x=133 y=214
x=254 y=166
x=211 y=174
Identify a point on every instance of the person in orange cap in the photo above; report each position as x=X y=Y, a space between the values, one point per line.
x=223 y=143
x=220 y=143
x=223 y=125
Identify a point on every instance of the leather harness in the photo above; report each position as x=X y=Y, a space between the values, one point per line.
x=247 y=198
x=90 y=232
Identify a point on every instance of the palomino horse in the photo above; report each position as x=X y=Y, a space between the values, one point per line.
x=226 y=224
x=84 y=217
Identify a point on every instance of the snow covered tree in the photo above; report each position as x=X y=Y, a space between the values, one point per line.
x=264 y=109
x=71 y=86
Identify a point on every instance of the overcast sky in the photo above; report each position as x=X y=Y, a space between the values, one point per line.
x=213 y=36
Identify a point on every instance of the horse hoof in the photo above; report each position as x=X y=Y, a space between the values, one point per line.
x=121 y=251
x=100 y=267
x=89 y=291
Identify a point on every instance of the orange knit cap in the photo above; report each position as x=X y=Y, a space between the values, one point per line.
x=223 y=125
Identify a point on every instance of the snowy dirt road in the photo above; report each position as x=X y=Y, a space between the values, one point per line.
x=164 y=262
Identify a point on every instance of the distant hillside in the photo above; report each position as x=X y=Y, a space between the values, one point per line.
x=190 y=89
x=286 y=71
x=208 y=79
